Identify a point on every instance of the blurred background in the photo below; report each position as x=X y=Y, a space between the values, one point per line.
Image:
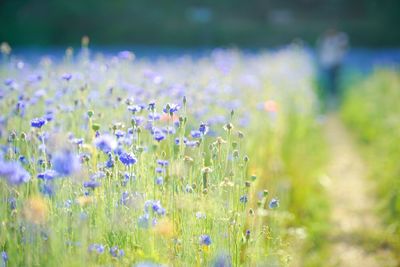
x=194 y=23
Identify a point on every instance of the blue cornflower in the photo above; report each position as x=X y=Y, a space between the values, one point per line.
x=154 y=116
x=22 y=159
x=14 y=173
x=96 y=248
x=12 y=202
x=177 y=140
x=116 y=252
x=159 y=170
x=189 y=189
x=247 y=234
x=191 y=143
x=160 y=180
x=91 y=184
x=138 y=120
x=152 y=105
x=49 y=116
x=47 y=175
x=119 y=133
x=171 y=108
x=203 y=128
x=4 y=256
x=77 y=141
x=105 y=143
x=127 y=159
x=8 y=82
x=159 y=136
x=66 y=163
x=243 y=199
x=66 y=76
x=274 y=203
x=205 y=240
x=155 y=206
x=38 y=122
x=20 y=108
x=162 y=163
x=134 y=108
x=110 y=163
x=195 y=134
x=124 y=198
x=168 y=130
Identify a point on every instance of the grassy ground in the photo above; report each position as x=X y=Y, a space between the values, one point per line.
x=371 y=110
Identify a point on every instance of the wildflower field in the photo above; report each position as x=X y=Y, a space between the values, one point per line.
x=112 y=160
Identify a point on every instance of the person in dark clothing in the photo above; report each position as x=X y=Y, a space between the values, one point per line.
x=332 y=47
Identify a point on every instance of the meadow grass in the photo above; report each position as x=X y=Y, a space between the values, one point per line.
x=370 y=108
x=178 y=162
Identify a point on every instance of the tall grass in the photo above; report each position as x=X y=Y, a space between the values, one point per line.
x=178 y=162
x=371 y=109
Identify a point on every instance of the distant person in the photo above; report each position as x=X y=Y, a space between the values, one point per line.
x=332 y=47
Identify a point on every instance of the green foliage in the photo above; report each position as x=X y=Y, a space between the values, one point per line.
x=247 y=23
x=371 y=108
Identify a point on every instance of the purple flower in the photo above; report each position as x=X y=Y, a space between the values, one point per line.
x=127 y=159
x=134 y=108
x=119 y=133
x=177 y=141
x=274 y=203
x=105 y=143
x=159 y=136
x=191 y=143
x=189 y=189
x=96 y=248
x=14 y=173
x=205 y=240
x=47 y=175
x=110 y=163
x=49 y=116
x=154 y=116
x=152 y=105
x=155 y=206
x=124 y=198
x=4 y=256
x=162 y=163
x=168 y=130
x=116 y=252
x=203 y=128
x=159 y=180
x=77 y=141
x=38 y=122
x=66 y=76
x=195 y=134
x=171 y=108
x=66 y=163
x=91 y=184
x=13 y=203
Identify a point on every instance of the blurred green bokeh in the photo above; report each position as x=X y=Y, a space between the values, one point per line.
x=197 y=23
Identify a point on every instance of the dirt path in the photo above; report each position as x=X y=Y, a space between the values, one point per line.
x=353 y=216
